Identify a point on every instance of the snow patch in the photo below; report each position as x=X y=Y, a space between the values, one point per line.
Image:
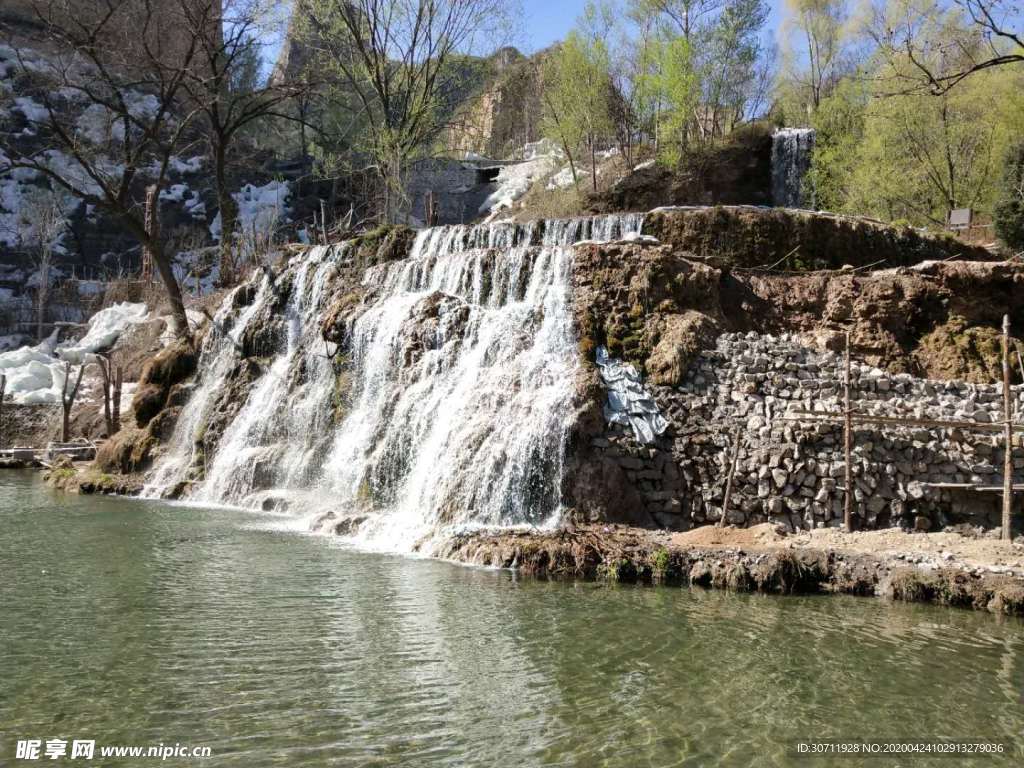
x=35 y=374
x=259 y=208
x=192 y=165
x=105 y=327
x=33 y=111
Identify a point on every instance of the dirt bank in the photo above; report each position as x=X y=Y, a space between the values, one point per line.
x=945 y=568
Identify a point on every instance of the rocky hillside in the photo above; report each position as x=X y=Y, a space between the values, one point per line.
x=504 y=112
x=724 y=339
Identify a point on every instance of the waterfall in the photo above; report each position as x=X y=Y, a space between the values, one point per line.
x=448 y=406
x=791 y=160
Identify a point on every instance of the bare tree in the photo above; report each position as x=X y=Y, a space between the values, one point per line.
x=396 y=63
x=44 y=219
x=112 y=382
x=985 y=34
x=815 y=35
x=227 y=88
x=117 y=62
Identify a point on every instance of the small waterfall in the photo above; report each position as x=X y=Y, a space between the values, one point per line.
x=791 y=160
x=449 y=405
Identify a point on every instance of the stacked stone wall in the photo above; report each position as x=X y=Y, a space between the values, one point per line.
x=790 y=468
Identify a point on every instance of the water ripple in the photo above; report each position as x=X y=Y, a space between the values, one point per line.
x=146 y=623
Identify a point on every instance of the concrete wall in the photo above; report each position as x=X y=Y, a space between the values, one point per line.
x=457 y=190
x=791 y=472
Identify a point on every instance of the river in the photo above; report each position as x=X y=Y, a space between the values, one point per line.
x=146 y=623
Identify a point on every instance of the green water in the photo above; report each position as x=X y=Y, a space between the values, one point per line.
x=135 y=623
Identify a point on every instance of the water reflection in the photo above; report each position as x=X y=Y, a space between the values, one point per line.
x=145 y=623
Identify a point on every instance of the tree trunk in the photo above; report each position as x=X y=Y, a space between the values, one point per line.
x=42 y=296
x=104 y=364
x=593 y=164
x=228 y=216
x=152 y=224
x=163 y=266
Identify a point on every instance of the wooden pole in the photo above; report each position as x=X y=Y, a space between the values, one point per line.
x=732 y=474
x=116 y=404
x=1007 y=433
x=68 y=399
x=847 y=441
x=105 y=371
x=3 y=391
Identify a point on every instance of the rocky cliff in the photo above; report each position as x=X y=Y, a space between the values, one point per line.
x=437 y=389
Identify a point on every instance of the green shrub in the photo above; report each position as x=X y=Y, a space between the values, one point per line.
x=1009 y=209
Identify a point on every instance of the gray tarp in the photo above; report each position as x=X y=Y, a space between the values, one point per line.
x=628 y=402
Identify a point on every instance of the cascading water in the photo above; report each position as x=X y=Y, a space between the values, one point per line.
x=449 y=405
x=791 y=160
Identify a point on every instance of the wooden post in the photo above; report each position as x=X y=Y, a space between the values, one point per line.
x=732 y=474
x=105 y=370
x=115 y=408
x=1007 y=433
x=323 y=222
x=3 y=391
x=847 y=441
x=68 y=399
x=431 y=211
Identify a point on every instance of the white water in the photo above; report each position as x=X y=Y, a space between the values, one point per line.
x=461 y=372
x=791 y=160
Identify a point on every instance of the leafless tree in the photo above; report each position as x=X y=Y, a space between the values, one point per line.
x=121 y=64
x=232 y=96
x=396 y=64
x=44 y=218
x=986 y=34
x=112 y=378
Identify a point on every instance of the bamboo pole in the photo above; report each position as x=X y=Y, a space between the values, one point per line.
x=1007 y=433
x=847 y=441
x=734 y=456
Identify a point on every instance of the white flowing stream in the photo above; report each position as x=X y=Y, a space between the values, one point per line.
x=448 y=407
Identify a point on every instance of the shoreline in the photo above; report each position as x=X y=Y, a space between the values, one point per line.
x=949 y=569
x=639 y=556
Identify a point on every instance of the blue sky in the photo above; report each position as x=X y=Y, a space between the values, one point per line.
x=546 y=21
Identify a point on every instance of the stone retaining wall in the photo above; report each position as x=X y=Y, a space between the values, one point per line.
x=791 y=471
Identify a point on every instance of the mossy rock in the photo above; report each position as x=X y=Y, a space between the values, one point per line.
x=130 y=450
x=385 y=243
x=956 y=350
x=171 y=365
x=162 y=425
x=682 y=338
x=335 y=323
x=147 y=402
x=168 y=368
